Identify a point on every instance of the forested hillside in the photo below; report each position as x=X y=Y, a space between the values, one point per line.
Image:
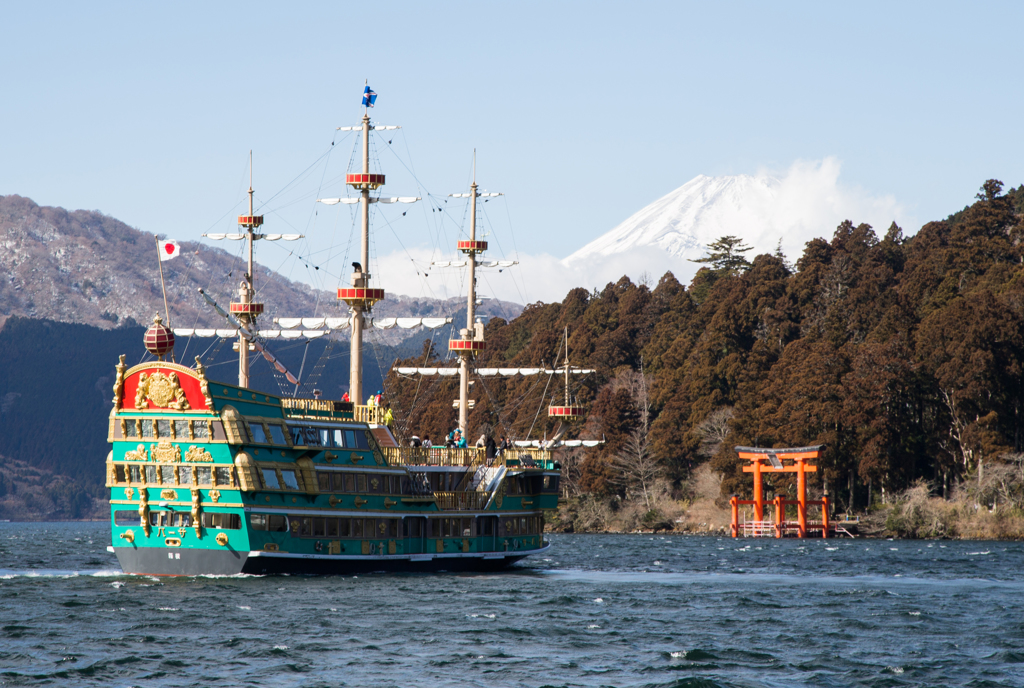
x=903 y=356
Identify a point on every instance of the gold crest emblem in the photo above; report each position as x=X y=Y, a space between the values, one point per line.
x=214 y=496
x=166 y=453
x=129 y=492
x=163 y=390
x=168 y=494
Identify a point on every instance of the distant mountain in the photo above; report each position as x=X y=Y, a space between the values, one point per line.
x=683 y=222
x=86 y=267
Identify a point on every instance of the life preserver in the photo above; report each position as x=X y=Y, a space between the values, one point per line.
x=319 y=546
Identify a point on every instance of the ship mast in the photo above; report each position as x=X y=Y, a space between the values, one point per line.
x=245 y=309
x=471 y=338
x=360 y=298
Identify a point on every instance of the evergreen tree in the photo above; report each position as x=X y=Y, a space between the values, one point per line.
x=725 y=256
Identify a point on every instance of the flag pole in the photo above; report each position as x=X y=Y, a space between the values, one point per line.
x=163 y=287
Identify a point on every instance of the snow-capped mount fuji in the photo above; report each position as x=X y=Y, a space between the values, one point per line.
x=686 y=220
x=804 y=202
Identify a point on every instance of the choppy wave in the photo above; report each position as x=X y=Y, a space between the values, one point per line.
x=665 y=612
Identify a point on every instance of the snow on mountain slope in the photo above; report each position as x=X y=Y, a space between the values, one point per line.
x=762 y=209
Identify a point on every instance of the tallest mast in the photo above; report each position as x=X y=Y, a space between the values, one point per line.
x=360 y=298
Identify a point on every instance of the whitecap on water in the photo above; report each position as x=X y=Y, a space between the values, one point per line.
x=831 y=549
x=599 y=600
x=677 y=655
x=168 y=609
x=914 y=613
x=975 y=554
x=593 y=626
x=280 y=647
x=245 y=608
x=657 y=563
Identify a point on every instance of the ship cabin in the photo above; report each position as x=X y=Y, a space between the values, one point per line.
x=208 y=477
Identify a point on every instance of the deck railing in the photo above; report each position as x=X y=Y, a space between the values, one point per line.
x=471 y=456
x=461 y=501
x=369 y=414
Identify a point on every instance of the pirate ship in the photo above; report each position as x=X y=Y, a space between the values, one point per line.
x=207 y=477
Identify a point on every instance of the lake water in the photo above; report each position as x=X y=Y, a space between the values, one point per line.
x=600 y=610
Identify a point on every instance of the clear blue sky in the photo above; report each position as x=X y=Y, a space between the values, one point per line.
x=581 y=112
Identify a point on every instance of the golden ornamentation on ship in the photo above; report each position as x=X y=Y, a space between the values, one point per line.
x=163 y=390
x=198 y=455
x=204 y=384
x=165 y=453
x=138 y=454
x=129 y=493
x=168 y=494
x=144 y=510
x=119 y=383
x=222 y=539
x=196 y=505
x=214 y=496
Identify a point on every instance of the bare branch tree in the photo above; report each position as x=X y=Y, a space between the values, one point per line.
x=638 y=467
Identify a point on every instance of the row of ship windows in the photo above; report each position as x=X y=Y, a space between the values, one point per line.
x=357 y=528
x=259 y=433
x=174 y=475
x=181 y=519
x=329 y=527
x=307 y=436
x=165 y=428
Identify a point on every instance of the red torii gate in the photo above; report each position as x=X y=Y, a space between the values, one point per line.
x=771 y=461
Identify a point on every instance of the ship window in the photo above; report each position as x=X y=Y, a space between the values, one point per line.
x=350 y=482
x=413 y=527
x=163 y=428
x=135 y=473
x=277 y=523
x=325 y=437
x=467 y=527
x=223 y=475
x=126 y=518
x=159 y=518
x=270 y=479
x=357 y=527
x=323 y=481
x=200 y=430
x=339 y=440
x=132 y=431
x=181 y=429
x=337 y=482
x=147 y=428
x=361 y=483
x=185 y=475
x=344 y=527
x=222 y=521
x=277 y=434
x=180 y=519
x=167 y=475
x=312 y=437
x=259 y=435
x=297 y=438
x=289 y=480
x=118 y=473
x=486 y=525
x=306 y=526
x=151 y=475
x=258 y=521
x=332 y=528
x=320 y=527
x=203 y=475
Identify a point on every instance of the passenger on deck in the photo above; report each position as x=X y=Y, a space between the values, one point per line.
x=426 y=442
x=415 y=441
x=389 y=416
x=449 y=441
x=344 y=397
x=460 y=441
x=489 y=447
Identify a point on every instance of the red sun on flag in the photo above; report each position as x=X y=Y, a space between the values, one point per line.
x=169 y=249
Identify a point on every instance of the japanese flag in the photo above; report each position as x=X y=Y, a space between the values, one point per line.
x=169 y=249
